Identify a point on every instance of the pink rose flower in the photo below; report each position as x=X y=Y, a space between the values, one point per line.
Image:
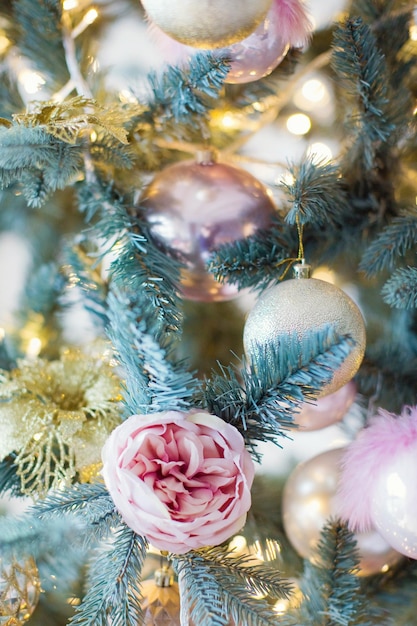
x=180 y=479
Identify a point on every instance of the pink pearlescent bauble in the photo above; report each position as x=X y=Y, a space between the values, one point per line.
x=251 y=59
x=193 y=208
x=394 y=502
x=377 y=485
x=258 y=54
x=326 y=410
x=309 y=500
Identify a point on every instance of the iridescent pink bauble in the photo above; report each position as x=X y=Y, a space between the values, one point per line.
x=327 y=410
x=195 y=207
x=256 y=56
x=251 y=59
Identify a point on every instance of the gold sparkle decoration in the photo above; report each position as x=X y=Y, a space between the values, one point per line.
x=19 y=591
x=55 y=417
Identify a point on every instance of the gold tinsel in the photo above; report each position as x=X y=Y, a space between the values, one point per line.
x=55 y=417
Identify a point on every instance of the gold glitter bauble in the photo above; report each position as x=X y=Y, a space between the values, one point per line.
x=301 y=305
x=207 y=24
x=19 y=591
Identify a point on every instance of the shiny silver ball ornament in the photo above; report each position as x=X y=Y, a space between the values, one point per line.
x=207 y=24
x=193 y=207
x=301 y=305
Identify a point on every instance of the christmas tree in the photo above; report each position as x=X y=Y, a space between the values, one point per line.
x=208 y=358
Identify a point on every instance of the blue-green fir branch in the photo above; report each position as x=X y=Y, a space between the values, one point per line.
x=216 y=590
x=362 y=70
x=393 y=242
x=54 y=544
x=44 y=289
x=261 y=579
x=332 y=592
x=388 y=374
x=107 y=150
x=400 y=291
x=255 y=261
x=316 y=195
x=138 y=265
x=391 y=29
x=200 y=593
x=179 y=92
x=81 y=271
x=9 y=479
x=113 y=595
x=262 y=398
x=91 y=504
x=41 y=163
x=40 y=37
x=154 y=380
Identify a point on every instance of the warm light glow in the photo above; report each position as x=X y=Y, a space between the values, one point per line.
x=93 y=136
x=281 y=606
x=4 y=43
x=325 y=273
x=238 y=544
x=315 y=91
x=299 y=124
x=127 y=96
x=70 y=4
x=31 y=81
x=229 y=121
x=90 y=16
x=320 y=152
x=2 y=334
x=413 y=32
x=287 y=179
x=34 y=347
x=396 y=487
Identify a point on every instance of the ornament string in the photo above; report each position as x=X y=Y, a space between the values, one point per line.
x=290 y=262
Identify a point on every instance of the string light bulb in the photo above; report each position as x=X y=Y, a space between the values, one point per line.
x=299 y=124
x=68 y=5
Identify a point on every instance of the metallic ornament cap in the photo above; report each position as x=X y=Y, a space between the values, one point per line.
x=302 y=270
x=164 y=577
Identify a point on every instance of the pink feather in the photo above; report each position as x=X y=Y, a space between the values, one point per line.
x=295 y=24
x=387 y=436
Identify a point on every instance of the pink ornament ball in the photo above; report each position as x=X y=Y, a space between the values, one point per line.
x=195 y=207
x=377 y=486
x=327 y=410
x=286 y=24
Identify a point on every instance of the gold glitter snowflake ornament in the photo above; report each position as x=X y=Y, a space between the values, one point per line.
x=55 y=417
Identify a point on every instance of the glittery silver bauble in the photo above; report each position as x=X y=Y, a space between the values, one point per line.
x=193 y=208
x=300 y=305
x=207 y=23
x=309 y=500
